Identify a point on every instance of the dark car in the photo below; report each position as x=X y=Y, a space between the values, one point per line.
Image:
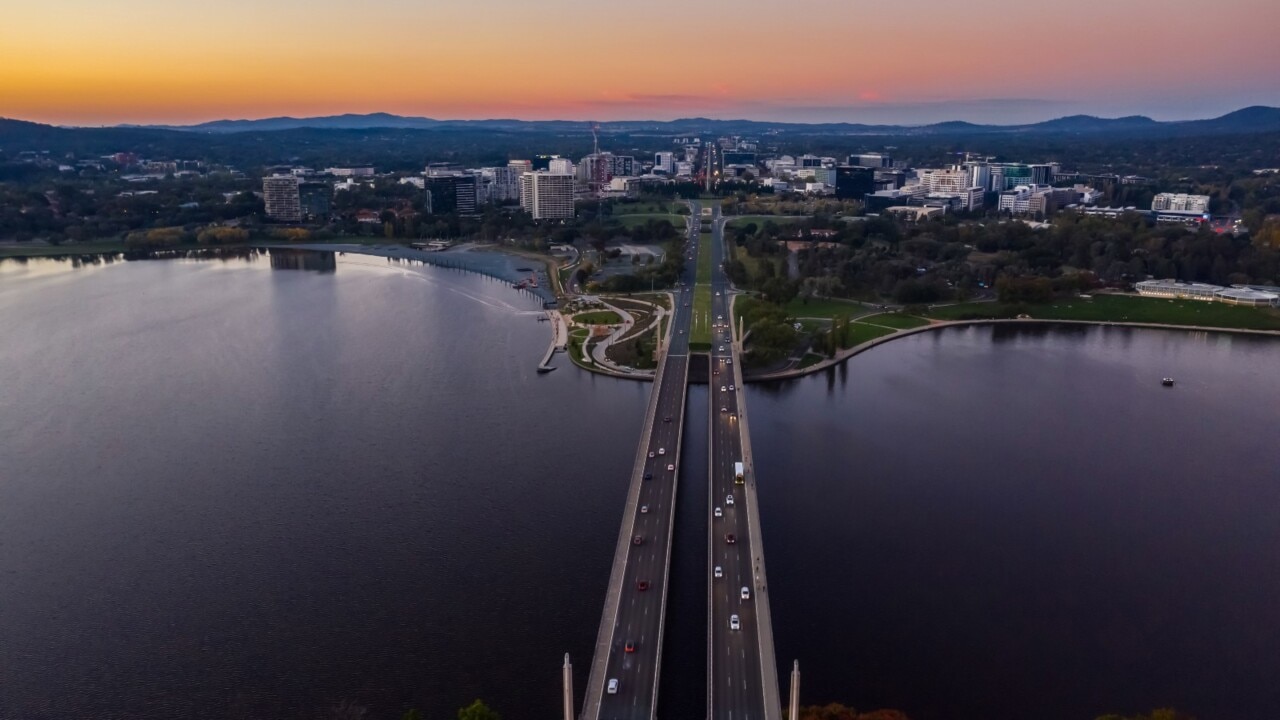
x=727 y=538
x=639 y=540
x=642 y=585
x=648 y=476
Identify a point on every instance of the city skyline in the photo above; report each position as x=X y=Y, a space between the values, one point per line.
x=141 y=61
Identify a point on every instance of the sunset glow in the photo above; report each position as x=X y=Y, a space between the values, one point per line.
x=82 y=62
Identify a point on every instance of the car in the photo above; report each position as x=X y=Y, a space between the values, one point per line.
x=721 y=348
x=686 y=304
x=717 y=572
x=644 y=509
x=728 y=361
x=662 y=451
x=651 y=454
x=724 y=409
x=728 y=499
x=719 y=317
x=717 y=293
x=723 y=388
x=731 y=387
x=613 y=686
x=680 y=332
x=733 y=623
x=648 y=476
x=746 y=593
x=637 y=540
x=716 y=371
x=642 y=585
x=730 y=539
x=671 y=467
x=666 y=419
x=629 y=647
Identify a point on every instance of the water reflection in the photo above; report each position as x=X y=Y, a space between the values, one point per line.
x=291 y=259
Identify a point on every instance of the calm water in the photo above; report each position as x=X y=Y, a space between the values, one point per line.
x=984 y=523
x=233 y=492
x=236 y=492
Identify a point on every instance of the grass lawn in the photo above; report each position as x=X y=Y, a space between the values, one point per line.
x=68 y=249
x=1124 y=308
x=638 y=219
x=646 y=207
x=598 y=317
x=895 y=320
x=700 y=332
x=760 y=220
x=860 y=333
x=825 y=308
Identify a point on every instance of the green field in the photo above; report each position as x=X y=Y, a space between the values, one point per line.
x=825 y=308
x=1123 y=308
x=760 y=220
x=860 y=333
x=895 y=320
x=700 y=331
x=648 y=207
x=598 y=317
x=638 y=219
x=809 y=360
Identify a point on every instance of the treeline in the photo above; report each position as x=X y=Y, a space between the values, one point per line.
x=664 y=274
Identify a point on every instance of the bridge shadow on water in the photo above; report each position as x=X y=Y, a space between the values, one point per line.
x=683 y=685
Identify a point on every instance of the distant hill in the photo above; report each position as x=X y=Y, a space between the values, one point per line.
x=1252 y=119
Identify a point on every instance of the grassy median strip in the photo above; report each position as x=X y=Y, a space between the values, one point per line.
x=1123 y=308
x=827 y=308
x=700 y=332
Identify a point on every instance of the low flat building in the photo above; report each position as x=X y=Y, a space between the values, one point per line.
x=1234 y=295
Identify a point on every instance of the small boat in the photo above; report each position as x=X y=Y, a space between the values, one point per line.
x=1167 y=382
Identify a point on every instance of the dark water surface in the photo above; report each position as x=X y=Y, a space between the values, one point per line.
x=1015 y=523
x=233 y=492
x=227 y=491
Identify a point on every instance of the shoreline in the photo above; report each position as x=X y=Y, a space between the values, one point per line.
x=860 y=348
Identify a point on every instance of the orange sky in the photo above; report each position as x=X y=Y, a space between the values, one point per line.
x=91 y=62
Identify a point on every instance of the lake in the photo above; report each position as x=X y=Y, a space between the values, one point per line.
x=233 y=491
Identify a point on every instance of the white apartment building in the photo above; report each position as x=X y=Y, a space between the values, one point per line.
x=547 y=195
x=664 y=162
x=1180 y=202
x=283 y=200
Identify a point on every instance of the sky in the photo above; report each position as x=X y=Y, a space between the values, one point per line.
x=89 y=62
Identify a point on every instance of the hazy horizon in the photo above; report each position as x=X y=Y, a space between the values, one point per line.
x=150 y=62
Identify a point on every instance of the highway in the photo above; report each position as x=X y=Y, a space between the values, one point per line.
x=742 y=681
x=629 y=643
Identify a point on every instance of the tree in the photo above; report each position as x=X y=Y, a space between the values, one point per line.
x=477 y=711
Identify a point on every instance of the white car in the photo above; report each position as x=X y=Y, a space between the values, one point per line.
x=650 y=453
x=644 y=509
x=723 y=388
x=718 y=513
x=671 y=467
x=733 y=623
x=662 y=451
x=718 y=572
x=730 y=387
x=746 y=593
x=721 y=348
x=613 y=683
x=728 y=499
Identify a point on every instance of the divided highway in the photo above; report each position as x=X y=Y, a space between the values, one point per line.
x=742 y=675
x=623 y=683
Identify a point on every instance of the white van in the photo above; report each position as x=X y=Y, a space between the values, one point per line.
x=613 y=686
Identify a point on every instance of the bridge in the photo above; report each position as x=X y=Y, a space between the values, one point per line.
x=742 y=673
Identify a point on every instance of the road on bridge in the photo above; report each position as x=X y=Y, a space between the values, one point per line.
x=623 y=682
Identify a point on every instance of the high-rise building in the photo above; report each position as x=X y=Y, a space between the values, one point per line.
x=315 y=200
x=547 y=195
x=871 y=160
x=739 y=157
x=1180 y=202
x=664 y=162
x=854 y=182
x=520 y=166
x=284 y=203
x=452 y=193
x=561 y=166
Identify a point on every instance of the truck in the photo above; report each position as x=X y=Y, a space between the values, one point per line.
x=738 y=473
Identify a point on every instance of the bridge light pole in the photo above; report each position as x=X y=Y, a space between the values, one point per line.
x=794 y=706
x=567 y=672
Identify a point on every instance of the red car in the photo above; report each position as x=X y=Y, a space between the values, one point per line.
x=727 y=538
x=642 y=585
x=638 y=540
x=629 y=647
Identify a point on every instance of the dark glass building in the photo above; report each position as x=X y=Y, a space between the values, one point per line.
x=854 y=182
